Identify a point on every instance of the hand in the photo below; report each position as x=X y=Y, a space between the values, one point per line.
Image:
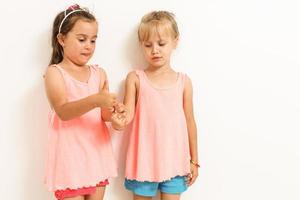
x=191 y=178
x=118 y=120
x=119 y=108
x=119 y=116
x=105 y=99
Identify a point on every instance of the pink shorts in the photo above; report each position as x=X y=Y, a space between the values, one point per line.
x=67 y=193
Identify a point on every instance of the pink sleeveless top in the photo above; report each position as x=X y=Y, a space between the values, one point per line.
x=158 y=146
x=79 y=150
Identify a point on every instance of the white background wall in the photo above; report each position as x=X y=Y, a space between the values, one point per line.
x=243 y=59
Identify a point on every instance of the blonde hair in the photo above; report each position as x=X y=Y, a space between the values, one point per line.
x=155 y=21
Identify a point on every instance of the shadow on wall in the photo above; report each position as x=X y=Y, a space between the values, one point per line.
x=116 y=189
x=35 y=138
x=33 y=119
x=133 y=54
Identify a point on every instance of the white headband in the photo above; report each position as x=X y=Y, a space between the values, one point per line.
x=62 y=21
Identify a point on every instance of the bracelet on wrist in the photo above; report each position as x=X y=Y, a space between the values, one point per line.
x=195 y=163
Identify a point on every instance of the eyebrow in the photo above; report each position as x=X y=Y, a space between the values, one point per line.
x=155 y=41
x=95 y=36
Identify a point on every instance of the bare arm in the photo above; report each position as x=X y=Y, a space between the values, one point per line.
x=104 y=86
x=124 y=112
x=56 y=93
x=192 y=129
x=131 y=86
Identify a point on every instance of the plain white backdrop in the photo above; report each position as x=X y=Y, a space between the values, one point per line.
x=243 y=59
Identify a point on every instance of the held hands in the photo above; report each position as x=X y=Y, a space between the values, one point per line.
x=104 y=99
x=119 y=116
x=108 y=101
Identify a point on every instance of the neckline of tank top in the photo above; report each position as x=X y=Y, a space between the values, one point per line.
x=73 y=78
x=161 y=88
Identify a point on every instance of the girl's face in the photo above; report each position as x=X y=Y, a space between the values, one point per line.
x=79 y=44
x=158 y=48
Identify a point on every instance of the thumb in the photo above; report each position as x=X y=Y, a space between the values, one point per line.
x=114 y=96
x=105 y=86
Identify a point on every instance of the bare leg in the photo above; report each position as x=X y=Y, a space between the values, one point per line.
x=97 y=195
x=137 y=197
x=75 y=198
x=165 y=196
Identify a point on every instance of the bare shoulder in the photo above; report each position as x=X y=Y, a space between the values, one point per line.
x=55 y=86
x=132 y=77
x=51 y=69
x=53 y=74
x=131 y=90
x=102 y=74
x=101 y=71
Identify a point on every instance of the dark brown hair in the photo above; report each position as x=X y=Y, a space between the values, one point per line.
x=66 y=27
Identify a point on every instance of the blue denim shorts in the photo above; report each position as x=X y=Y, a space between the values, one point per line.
x=175 y=185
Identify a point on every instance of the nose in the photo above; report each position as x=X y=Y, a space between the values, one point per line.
x=88 y=45
x=154 y=49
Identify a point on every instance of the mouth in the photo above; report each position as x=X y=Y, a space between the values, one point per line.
x=156 y=58
x=86 y=54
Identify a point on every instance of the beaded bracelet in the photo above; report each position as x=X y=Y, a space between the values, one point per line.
x=194 y=163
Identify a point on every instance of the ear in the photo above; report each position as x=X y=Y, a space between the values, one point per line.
x=61 y=38
x=176 y=40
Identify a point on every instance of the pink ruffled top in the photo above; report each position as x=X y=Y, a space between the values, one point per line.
x=158 y=146
x=79 y=150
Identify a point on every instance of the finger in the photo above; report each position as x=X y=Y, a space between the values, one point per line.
x=111 y=109
x=121 y=108
x=193 y=180
x=114 y=119
x=194 y=177
x=114 y=96
x=188 y=179
x=123 y=115
x=118 y=104
x=118 y=107
x=124 y=120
